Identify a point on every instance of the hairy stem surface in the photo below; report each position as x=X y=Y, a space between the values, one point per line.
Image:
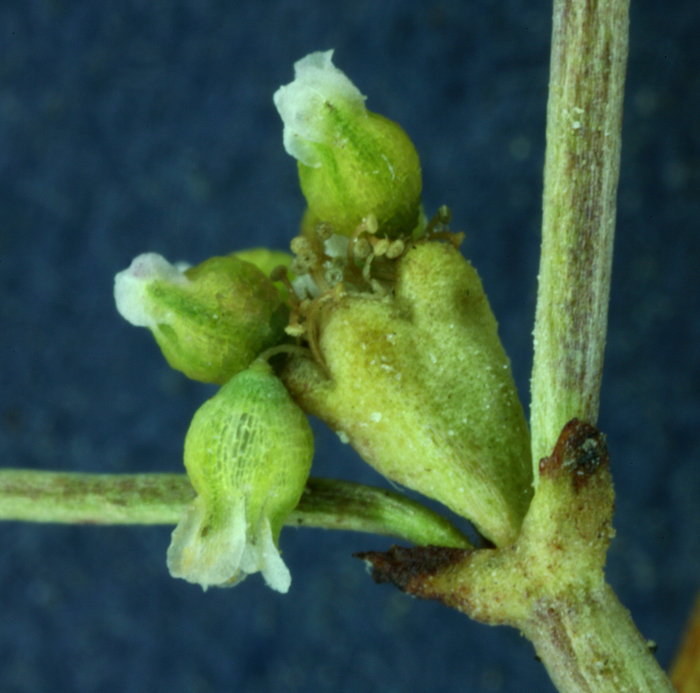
x=584 y=116
x=152 y=499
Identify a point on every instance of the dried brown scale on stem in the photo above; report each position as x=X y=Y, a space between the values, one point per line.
x=550 y=582
x=581 y=447
x=583 y=515
x=410 y=568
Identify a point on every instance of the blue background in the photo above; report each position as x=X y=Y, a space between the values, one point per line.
x=132 y=126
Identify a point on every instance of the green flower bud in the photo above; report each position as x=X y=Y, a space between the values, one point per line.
x=211 y=320
x=420 y=385
x=352 y=162
x=248 y=454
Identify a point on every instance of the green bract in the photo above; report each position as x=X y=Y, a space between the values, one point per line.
x=247 y=453
x=352 y=162
x=420 y=385
x=211 y=321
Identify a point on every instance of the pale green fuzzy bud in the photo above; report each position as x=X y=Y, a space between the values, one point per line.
x=248 y=454
x=211 y=321
x=352 y=162
x=420 y=385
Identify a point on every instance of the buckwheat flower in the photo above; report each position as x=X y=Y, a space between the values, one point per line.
x=352 y=162
x=210 y=321
x=248 y=454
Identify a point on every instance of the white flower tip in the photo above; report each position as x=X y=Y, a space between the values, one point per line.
x=301 y=104
x=206 y=558
x=337 y=246
x=130 y=287
x=264 y=556
x=224 y=556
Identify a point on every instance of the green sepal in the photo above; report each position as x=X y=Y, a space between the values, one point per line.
x=375 y=170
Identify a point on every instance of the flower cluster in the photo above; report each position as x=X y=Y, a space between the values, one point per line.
x=377 y=325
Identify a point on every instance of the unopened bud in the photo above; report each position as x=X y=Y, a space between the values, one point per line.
x=211 y=321
x=352 y=162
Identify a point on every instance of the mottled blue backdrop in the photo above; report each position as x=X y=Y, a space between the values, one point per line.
x=129 y=126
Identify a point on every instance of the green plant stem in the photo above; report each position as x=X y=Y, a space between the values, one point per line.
x=584 y=636
x=584 y=116
x=152 y=499
x=589 y=644
x=101 y=499
x=550 y=583
x=333 y=504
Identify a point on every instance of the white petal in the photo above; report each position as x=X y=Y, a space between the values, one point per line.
x=131 y=284
x=336 y=246
x=264 y=556
x=302 y=103
x=206 y=556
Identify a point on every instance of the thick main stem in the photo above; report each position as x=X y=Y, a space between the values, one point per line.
x=589 y=644
x=550 y=584
x=584 y=115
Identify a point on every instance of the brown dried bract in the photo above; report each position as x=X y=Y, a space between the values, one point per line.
x=410 y=568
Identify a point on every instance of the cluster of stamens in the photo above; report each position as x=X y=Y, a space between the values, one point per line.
x=329 y=266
